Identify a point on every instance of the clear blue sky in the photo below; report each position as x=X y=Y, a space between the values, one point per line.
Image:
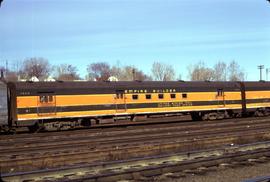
x=137 y=32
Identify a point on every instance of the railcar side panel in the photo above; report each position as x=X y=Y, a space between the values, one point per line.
x=257 y=95
x=257 y=99
x=49 y=101
x=106 y=104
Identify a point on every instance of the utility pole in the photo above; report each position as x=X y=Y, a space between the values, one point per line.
x=267 y=71
x=261 y=67
x=133 y=74
x=6 y=68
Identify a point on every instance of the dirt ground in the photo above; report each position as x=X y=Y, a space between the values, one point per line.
x=224 y=174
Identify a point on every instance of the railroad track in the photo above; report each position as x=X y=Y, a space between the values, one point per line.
x=26 y=153
x=56 y=151
x=154 y=120
x=56 y=141
x=41 y=137
x=151 y=167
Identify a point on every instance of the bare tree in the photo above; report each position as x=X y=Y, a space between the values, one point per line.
x=12 y=76
x=220 y=71
x=129 y=73
x=66 y=72
x=38 y=67
x=200 y=72
x=117 y=72
x=9 y=75
x=235 y=72
x=162 y=72
x=179 y=77
x=99 y=71
x=140 y=75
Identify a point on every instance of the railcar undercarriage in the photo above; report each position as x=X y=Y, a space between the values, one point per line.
x=73 y=123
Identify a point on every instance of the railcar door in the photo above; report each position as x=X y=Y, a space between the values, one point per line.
x=46 y=104
x=120 y=101
x=220 y=98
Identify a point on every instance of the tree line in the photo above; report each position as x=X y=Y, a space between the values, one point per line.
x=41 y=69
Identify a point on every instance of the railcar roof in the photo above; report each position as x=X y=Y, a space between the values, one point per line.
x=124 y=84
x=257 y=84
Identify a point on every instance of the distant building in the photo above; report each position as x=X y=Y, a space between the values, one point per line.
x=112 y=79
x=49 y=79
x=34 y=79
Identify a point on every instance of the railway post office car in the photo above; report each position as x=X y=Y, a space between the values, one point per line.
x=70 y=104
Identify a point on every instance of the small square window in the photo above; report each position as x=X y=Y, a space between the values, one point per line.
x=50 y=98
x=119 y=95
x=43 y=99
x=148 y=96
x=135 y=97
x=220 y=92
x=173 y=96
x=184 y=96
x=160 y=96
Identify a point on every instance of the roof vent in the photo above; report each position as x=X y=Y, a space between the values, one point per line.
x=181 y=80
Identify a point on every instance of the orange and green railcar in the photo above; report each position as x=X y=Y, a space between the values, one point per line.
x=32 y=103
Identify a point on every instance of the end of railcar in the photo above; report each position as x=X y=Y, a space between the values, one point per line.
x=3 y=106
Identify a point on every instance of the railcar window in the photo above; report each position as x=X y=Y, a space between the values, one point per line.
x=120 y=96
x=172 y=96
x=184 y=96
x=160 y=96
x=43 y=99
x=220 y=92
x=148 y=96
x=50 y=98
x=135 y=97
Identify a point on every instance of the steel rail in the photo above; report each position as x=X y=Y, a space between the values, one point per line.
x=146 y=166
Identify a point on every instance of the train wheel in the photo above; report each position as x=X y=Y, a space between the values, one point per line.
x=196 y=116
x=35 y=128
x=221 y=115
x=6 y=129
x=213 y=116
x=267 y=112
x=12 y=131
x=259 y=113
x=133 y=118
x=86 y=122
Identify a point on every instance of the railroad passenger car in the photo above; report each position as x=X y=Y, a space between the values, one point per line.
x=257 y=98
x=68 y=104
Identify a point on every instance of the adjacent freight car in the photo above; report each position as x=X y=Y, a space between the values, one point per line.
x=69 y=104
